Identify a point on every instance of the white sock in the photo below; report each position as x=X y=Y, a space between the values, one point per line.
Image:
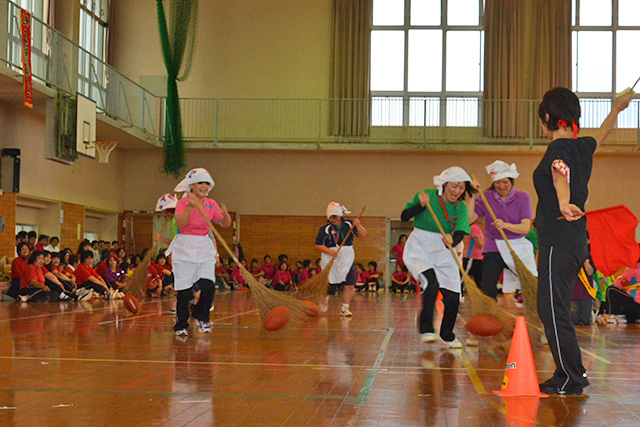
x=345 y=306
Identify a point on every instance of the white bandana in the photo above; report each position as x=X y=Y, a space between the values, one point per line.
x=499 y=169
x=336 y=209
x=167 y=201
x=194 y=176
x=452 y=174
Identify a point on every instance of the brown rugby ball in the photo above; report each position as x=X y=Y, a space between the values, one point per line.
x=277 y=318
x=310 y=308
x=484 y=325
x=131 y=303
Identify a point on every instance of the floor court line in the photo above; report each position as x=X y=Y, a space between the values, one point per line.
x=371 y=378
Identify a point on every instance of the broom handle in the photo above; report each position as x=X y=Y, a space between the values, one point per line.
x=217 y=234
x=493 y=215
x=353 y=225
x=453 y=251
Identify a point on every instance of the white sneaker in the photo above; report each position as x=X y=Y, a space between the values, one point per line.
x=454 y=344
x=23 y=298
x=472 y=342
x=205 y=327
x=324 y=306
x=428 y=337
x=212 y=307
x=344 y=312
x=83 y=296
x=64 y=297
x=182 y=333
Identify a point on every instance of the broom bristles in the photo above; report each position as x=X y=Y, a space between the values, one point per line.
x=267 y=299
x=529 y=287
x=318 y=285
x=137 y=285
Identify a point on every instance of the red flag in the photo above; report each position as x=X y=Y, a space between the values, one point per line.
x=612 y=236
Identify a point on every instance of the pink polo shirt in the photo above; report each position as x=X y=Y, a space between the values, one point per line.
x=196 y=225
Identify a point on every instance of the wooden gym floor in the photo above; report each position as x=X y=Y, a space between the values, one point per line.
x=80 y=364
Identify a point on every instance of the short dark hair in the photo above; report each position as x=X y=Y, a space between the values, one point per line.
x=54 y=237
x=84 y=255
x=400 y=238
x=56 y=255
x=282 y=257
x=20 y=245
x=559 y=103
x=33 y=256
x=115 y=241
x=23 y=234
x=32 y=234
x=306 y=263
x=73 y=258
x=374 y=264
x=42 y=237
x=265 y=257
x=160 y=256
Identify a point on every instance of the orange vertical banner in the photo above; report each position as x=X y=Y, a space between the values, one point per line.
x=25 y=36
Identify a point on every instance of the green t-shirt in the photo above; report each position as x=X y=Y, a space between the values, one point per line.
x=532 y=236
x=173 y=227
x=458 y=214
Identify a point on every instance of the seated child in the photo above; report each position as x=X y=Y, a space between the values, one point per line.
x=362 y=277
x=268 y=269
x=374 y=277
x=236 y=278
x=399 y=280
x=88 y=278
x=282 y=280
x=256 y=271
x=304 y=272
x=114 y=276
x=164 y=270
x=222 y=275
x=18 y=267
x=32 y=282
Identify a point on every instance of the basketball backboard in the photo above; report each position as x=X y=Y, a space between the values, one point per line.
x=86 y=126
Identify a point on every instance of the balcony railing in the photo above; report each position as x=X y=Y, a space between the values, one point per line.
x=61 y=64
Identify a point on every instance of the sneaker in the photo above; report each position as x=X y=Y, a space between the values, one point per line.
x=454 y=344
x=172 y=310
x=23 y=298
x=212 y=307
x=324 y=306
x=84 y=296
x=428 y=337
x=472 y=342
x=344 y=312
x=64 y=297
x=182 y=333
x=205 y=327
x=552 y=390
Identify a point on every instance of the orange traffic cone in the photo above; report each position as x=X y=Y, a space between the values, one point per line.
x=520 y=411
x=520 y=376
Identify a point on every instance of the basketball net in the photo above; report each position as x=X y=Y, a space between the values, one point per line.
x=103 y=148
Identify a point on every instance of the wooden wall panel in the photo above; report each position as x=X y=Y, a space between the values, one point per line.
x=8 y=236
x=295 y=236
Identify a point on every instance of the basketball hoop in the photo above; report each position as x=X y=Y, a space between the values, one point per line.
x=103 y=148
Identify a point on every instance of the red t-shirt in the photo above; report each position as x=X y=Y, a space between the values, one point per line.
x=399 y=250
x=237 y=275
x=269 y=270
x=31 y=273
x=399 y=277
x=159 y=268
x=18 y=266
x=365 y=277
x=83 y=273
x=100 y=268
x=283 y=276
x=304 y=275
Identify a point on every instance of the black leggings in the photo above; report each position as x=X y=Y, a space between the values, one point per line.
x=451 y=302
x=620 y=302
x=200 y=311
x=492 y=267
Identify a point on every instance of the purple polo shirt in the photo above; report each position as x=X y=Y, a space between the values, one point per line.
x=514 y=210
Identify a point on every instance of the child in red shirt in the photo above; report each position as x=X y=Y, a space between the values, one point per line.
x=362 y=277
x=268 y=269
x=236 y=278
x=282 y=280
x=18 y=267
x=304 y=272
x=257 y=271
x=399 y=280
x=374 y=276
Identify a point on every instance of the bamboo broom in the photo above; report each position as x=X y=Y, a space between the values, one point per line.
x=317 y=285
x=479 y=302
x=137 y=285
x=528 y=282
x=266 y=299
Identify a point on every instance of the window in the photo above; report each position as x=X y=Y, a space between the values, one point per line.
x=39 y=10
x=426 y=65
x=606 y=34
x=94 y=16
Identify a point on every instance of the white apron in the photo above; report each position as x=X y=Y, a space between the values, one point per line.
x=192 y=258
x=341 y=265
x=524 y=249
x=425 y=250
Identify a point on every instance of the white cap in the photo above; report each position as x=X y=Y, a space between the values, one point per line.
x=167 y=201
x=499 y=169
x=336 y=209
x=194 y=176
x=452 y=174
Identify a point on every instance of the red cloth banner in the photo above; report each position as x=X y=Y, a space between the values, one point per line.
x=25 y=35
x=612 y=236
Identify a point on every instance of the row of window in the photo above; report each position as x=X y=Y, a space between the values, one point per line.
x=427 y=59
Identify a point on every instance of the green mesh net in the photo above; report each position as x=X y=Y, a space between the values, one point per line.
x=177 y=37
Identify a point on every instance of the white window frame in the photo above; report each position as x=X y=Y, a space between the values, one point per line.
x=442 y=95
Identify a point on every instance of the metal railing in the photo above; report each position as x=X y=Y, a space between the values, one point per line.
x=467 y=121
x=61 y=64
